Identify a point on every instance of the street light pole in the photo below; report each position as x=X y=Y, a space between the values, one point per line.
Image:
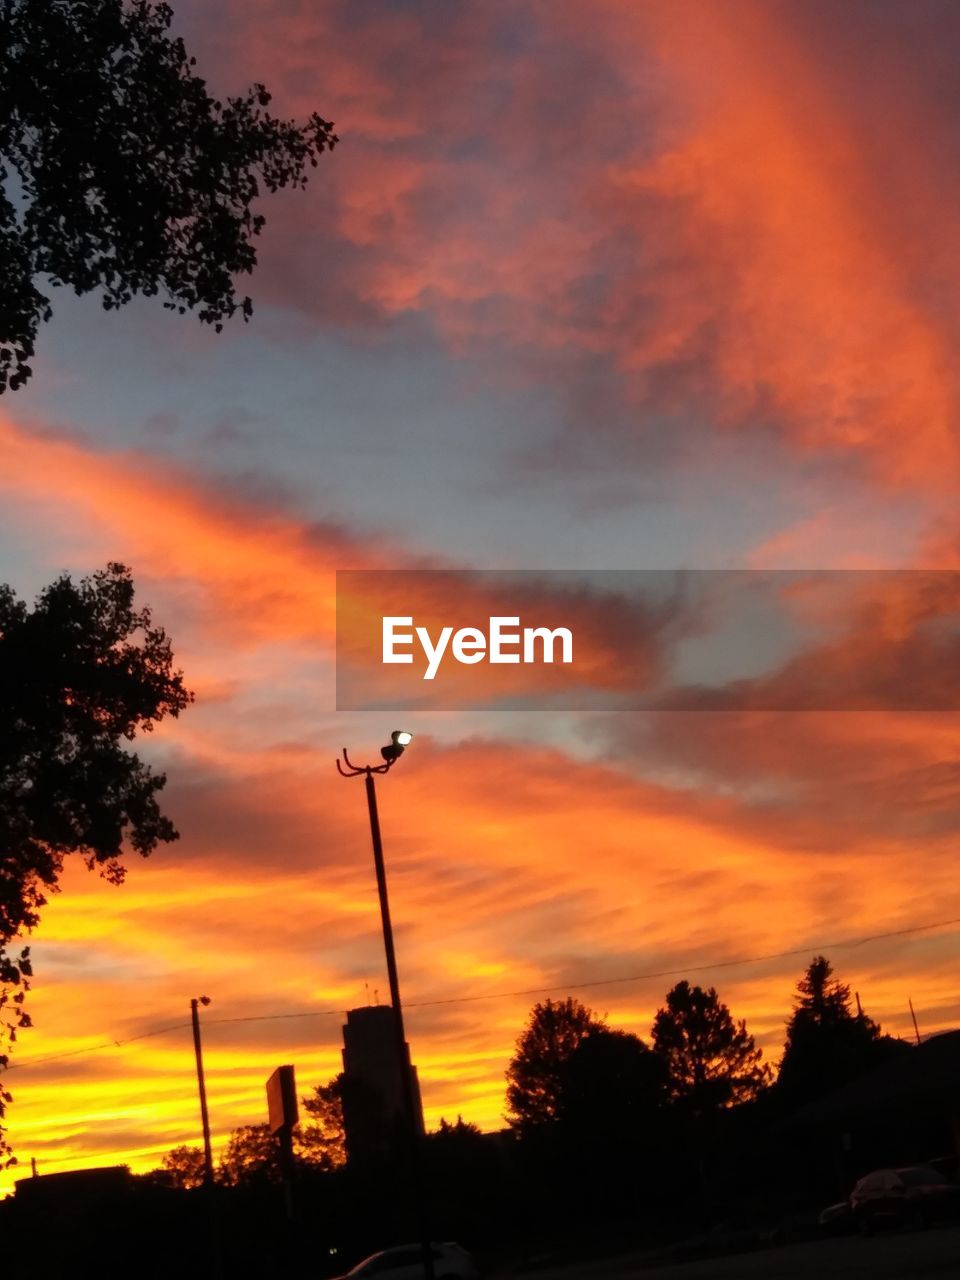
x=392 y=975
x=204 y=1113
x=347 y=769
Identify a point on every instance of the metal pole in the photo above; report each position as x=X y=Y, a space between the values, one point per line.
x=406 y=1071
x=204 y=1114
x=384 y=903
x=916 y=1029
x=288 y=1170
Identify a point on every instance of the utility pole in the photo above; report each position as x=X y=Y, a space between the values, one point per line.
x=201 y=1085
x=916 y=1029
x=216 y=1249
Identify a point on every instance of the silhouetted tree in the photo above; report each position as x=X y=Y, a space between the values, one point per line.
x=119 y=172
x=322 y=1139
x=610 y=1086
x=462 y=1133
x=456 y=1149
x=535 y=1076
x=182 y=1168
x=80 y=674
x=467 y=1180
x=610 y=1123
x=828 y=1043
x=252 y=1154
x=710 y=1061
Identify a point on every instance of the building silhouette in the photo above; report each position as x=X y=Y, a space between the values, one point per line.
x=75 y=1187
x=374 y=1098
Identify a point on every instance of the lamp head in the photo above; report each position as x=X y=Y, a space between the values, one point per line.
x=400 y=739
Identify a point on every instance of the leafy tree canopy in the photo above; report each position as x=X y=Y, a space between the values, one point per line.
x=81 y=674
x=535 y=1075
x=120 y=173
x=610 y=1086
x=322 y=1139
x=182 y=1168
x=252 y=1154
x=710 y=1061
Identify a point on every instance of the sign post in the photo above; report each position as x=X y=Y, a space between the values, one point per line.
x=283 y=1114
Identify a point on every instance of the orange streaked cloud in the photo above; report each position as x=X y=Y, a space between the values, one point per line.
x=580 y=873
x=268 y=574
x=790 y=264
x=513 y=868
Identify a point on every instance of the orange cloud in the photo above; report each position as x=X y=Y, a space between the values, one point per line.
x=250 y=571
x=577 y=873
x=706 y=207
x=780 y=218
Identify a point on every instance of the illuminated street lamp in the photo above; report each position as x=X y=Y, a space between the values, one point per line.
x=400 y=739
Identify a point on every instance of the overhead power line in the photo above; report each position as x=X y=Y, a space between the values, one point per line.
x=693 y=968
x=98 y=1048
x=621 y=980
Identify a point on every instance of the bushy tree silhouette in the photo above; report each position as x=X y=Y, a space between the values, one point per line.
x=710 y=1061
x=119 y=172
x=828 y=1042
x=610 y=1086
x=251 y=1155
x=80 y=674
x=322 y=1138
x=182 y=1168
x=535 y=1074
x=460 y=1132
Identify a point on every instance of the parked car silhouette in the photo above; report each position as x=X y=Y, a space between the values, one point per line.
x=405 y=1262
x=904 y=1197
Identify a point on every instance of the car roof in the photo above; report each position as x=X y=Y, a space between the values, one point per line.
x=402 y=1248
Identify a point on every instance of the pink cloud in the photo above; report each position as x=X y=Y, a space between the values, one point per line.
x=705 y=206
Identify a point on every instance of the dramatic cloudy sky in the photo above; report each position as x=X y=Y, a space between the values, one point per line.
x=589 y=283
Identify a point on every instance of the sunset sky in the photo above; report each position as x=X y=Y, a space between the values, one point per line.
x=588 y=284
